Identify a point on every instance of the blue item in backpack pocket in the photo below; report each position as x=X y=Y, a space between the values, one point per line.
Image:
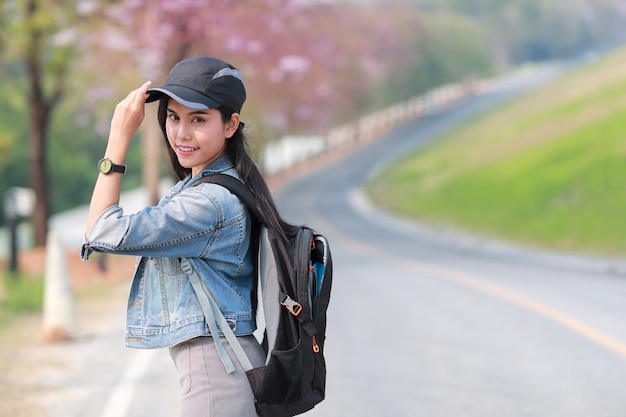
x=319 y=270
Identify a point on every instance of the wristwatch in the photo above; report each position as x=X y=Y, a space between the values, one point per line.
x=106 y=166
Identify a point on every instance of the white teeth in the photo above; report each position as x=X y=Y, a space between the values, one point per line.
x=185 y=149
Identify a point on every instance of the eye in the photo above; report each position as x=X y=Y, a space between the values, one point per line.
x=172 y=116
x=198 y=119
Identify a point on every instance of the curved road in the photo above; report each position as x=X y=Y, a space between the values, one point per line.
x=421 y=324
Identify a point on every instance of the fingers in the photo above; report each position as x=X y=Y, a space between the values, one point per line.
x=142 y=92
x=138 y=94
x=129 y=112
x=136 y=99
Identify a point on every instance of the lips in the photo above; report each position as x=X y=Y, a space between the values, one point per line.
x=186 y=150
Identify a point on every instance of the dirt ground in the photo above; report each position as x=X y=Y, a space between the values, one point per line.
x=21 y=360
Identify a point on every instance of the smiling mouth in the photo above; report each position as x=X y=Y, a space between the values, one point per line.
x=186 y=149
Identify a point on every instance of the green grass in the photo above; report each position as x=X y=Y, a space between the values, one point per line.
x=548 y=169
x=21 y=294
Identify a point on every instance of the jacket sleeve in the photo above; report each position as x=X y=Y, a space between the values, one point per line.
x=180 y=226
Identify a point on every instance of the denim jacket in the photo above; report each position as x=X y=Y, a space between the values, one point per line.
x=206 y=224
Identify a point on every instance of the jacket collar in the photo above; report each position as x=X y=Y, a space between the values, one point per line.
x=221 y=164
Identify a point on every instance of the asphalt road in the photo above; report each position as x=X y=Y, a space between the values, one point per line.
x=422 y=322
x=428 y=323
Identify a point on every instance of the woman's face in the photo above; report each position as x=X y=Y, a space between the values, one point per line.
x=197 y=136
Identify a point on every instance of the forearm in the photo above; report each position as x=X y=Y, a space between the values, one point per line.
x=127 y=117
x=106 y=192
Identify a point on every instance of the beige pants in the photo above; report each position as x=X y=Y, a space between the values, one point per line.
x=207 y=390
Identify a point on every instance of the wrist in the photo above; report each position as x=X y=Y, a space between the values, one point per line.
x=115 y=153
x=118 y=143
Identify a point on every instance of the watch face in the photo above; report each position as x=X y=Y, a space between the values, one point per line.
x=105 y=166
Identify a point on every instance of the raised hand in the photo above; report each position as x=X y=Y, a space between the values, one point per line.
x=129 y=114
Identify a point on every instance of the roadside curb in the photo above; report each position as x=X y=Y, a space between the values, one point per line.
x=473 y=245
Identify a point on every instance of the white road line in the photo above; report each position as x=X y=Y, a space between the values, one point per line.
x=124 y=391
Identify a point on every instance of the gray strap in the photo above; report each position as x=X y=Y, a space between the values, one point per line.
x=213 y=316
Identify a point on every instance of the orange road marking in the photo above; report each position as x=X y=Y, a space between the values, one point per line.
x=486 y=288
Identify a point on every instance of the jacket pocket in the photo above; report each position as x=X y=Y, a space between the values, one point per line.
x=169 y=267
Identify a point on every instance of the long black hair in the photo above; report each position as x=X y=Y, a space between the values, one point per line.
x=237 y=150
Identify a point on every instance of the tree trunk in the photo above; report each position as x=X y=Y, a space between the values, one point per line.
x=38 y=164
x=40 y=114
x=152 y=145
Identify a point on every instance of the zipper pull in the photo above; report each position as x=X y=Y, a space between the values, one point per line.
x=316 y=347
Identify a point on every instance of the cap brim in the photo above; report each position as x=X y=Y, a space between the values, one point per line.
x=183 y=95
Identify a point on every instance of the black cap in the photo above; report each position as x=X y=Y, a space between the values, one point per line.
x=203 y=83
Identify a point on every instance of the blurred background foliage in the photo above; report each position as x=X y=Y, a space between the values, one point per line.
x=308 y=65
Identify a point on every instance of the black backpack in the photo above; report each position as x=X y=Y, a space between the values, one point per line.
x=294 y=283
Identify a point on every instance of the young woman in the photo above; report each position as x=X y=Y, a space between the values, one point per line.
x=199 y=114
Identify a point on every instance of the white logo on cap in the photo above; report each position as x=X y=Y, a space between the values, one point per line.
x=228 y=71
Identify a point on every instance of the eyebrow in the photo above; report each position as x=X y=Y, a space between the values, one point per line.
x=191 y=113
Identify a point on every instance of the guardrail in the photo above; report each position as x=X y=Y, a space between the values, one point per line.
x=290 y=151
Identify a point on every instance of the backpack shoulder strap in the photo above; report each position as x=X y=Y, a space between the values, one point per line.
x=236 y=187
x=214 y=318
x=212 y=313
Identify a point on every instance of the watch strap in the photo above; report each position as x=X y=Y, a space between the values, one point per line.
x=118 y=168
x=112 y=166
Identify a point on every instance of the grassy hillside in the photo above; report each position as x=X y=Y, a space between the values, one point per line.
x=547 y=170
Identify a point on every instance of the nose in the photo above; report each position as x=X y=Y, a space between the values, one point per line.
x=183 y=132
